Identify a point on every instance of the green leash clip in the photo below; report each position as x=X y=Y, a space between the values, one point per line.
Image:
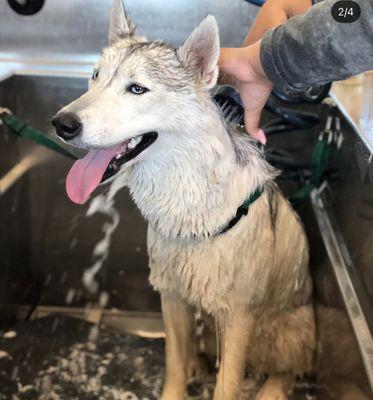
x=319 y=161
x=24 y=130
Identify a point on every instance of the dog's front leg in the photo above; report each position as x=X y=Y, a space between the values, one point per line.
x=236 y=327
x=180 y=346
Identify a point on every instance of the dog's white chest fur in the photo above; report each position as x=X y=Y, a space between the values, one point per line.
x=202 y=273
x=188 y=190
x=187 y=196
x=239 y=264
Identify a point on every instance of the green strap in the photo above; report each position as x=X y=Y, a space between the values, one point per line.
x=320 y=159
x=242 y=210
x=24 y=130
x=319 y=162
x=255 y=196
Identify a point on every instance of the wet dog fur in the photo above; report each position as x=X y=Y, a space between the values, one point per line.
x=253 y=280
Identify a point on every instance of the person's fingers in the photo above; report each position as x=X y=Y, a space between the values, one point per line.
x=254 y=86
x=254 y=97
x=261 y=136
x=252 y=119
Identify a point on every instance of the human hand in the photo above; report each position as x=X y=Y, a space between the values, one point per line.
x=243 y=64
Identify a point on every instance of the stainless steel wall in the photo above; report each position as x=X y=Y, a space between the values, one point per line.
x=79 y=27
x=46 y=242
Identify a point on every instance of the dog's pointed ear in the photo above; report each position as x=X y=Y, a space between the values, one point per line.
x=120 y=24
x=201 y=50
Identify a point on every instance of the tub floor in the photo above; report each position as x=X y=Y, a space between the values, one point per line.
x=63 y=358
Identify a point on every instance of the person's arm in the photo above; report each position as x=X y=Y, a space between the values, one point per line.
x=314 y=49
x=274 y=13
x=305 y=51
x=244 y=65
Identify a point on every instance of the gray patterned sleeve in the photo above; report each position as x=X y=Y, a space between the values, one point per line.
x=314 y=49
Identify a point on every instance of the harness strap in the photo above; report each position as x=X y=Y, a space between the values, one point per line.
x=242 y=210
x=320 y=157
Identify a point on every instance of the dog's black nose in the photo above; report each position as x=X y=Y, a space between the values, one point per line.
x=67 y=125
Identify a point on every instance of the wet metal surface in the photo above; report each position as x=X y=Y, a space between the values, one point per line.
x=77 y=29
x=39 y=361
x=354 y=297
x=46 y=242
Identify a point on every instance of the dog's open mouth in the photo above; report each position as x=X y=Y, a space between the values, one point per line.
x=130 y=149
x=99 y=165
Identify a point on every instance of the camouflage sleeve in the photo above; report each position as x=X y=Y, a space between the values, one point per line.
x=313 y=48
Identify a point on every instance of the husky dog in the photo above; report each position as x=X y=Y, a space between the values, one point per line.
x=149 y=122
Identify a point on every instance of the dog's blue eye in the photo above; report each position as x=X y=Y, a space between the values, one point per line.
x=137 y=89
x=95 y=74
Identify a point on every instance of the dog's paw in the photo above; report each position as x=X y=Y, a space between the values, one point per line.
x=272 y=394
x=171 y=396
x=197 y=367
x=273 y=389
x=172 y=393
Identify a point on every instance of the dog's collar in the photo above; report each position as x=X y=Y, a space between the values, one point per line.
x=242 y=210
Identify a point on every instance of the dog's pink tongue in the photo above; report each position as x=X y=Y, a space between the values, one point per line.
x=86 y=173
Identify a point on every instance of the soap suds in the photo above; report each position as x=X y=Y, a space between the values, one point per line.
x=9 y=334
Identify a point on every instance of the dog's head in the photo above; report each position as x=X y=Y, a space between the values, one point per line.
x=139 y=91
